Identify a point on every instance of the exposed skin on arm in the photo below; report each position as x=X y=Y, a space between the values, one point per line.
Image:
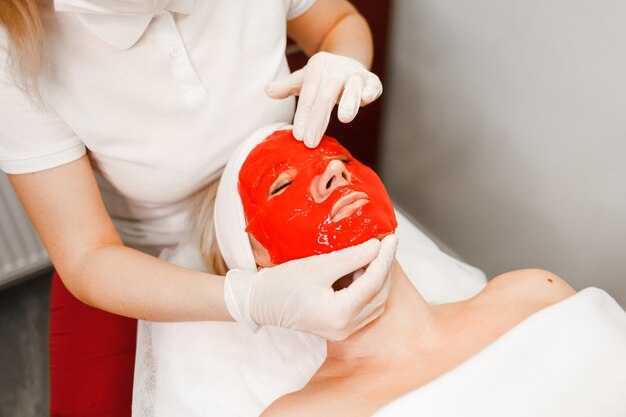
x=66 y=208
x=333 y=26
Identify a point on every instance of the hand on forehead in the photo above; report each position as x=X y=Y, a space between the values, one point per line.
x=281 y=151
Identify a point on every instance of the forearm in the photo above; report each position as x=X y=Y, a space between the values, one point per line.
x=351 y=37
x=333 y=26
x=130 y=283
x=67 y=211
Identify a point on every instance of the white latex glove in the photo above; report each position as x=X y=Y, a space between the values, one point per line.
x=298 y=294
x=325 y=79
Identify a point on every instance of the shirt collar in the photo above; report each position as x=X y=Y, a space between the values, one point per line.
x=120 y=23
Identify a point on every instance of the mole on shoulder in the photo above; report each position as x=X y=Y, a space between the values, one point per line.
x=550 y=280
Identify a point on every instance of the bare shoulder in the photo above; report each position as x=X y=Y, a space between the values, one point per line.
x=314 y=400
x=530 y=286
x=510 y=298
x=287 y=405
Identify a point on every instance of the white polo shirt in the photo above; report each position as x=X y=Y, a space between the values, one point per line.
x=159 y=92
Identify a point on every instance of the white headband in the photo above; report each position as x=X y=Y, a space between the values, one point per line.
x=229 y=218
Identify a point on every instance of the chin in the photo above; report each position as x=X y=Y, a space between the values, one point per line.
x=353 y=231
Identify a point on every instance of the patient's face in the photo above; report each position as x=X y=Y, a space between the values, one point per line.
x=301 y=202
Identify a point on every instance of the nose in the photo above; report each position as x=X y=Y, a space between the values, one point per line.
x=333 y=176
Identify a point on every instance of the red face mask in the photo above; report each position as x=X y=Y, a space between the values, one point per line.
x=301 y=202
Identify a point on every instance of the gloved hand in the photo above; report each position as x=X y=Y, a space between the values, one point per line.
x=299 y=295
x=320 y=83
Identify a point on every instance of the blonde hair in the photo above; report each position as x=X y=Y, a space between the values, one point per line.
x=204 y=225
x=22 y=21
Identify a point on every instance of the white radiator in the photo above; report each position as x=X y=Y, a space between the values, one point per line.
x=21 y=252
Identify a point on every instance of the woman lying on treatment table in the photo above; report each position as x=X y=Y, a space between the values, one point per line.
x=412 y=343
x=300 y=202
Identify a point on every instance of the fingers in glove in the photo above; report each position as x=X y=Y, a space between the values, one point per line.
x=345 y=322
x=368 y=286
x=373 y=89
x=321 y=110
x=350 y=99
x=335 y=265
x=357 y=323
x=381 y=297
x=308 y=92
x=370 y=314
x=287 y=86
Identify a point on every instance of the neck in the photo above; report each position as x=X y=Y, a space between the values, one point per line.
x=408 y=321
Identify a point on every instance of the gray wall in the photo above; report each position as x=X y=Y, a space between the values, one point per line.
x=505 y=132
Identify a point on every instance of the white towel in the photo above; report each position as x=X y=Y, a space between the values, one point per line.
x=229 y=218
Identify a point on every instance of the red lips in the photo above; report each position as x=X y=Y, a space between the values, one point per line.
x=348 y=204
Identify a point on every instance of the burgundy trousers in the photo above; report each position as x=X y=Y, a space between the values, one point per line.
x=92 y=358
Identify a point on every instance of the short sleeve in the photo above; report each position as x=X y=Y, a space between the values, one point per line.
x=298 y=7
x=32 y=137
